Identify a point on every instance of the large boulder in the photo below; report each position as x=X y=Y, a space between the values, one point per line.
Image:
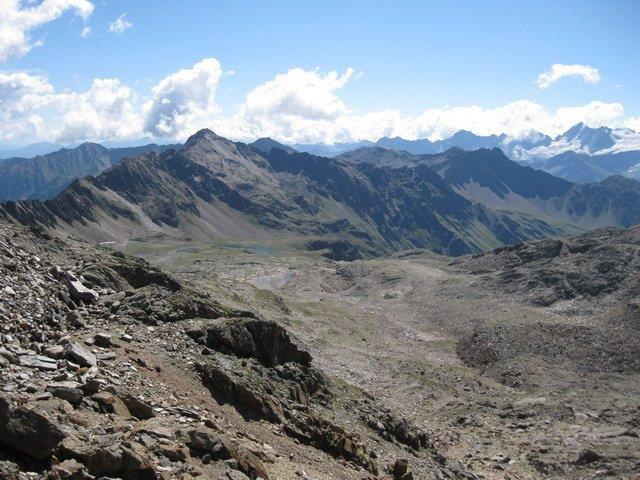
x=105 y=456
x=206 y=442
x=79 y=354
x=28 y=430
x=266 y=341
x=79 y=292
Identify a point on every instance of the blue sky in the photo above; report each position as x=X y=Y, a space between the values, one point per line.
x=407 y=58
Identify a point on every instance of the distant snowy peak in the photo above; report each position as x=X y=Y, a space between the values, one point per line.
x=579 y=139
x=534 y=147
x=625 y=140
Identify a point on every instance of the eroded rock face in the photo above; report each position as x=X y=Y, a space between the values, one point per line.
x=206 y=442
x=594 y=265
x=318 y=431
x=277 y=371
x=154 y=304
x=138 y=273
x=265 y=341
x=246 y=392
x=277 y=383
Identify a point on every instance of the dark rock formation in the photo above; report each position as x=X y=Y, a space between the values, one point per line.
x=267 y=342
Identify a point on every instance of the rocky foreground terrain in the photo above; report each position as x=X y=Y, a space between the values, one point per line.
x=231 y=361
x=112 y=368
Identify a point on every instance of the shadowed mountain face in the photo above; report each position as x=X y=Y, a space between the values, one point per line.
x=47 y=175
x=383 y=157
x=215 y=187
x=490 y=178
x=265 y=145
x=611 y=202
x=455 y=203
x=585 y=168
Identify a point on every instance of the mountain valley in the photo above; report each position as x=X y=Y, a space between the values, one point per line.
x=319 y=240
x=228 y=311
x=503 y=365
x=349 y=207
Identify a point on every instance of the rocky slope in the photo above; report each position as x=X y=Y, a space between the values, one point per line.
x=111 y=368
x=509 y=386
x=488 y=177
x=596 y=273
x=45 y=176
x=520 y=363
x=599 y=264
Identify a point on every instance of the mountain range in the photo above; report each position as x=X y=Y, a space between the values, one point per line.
x=32 y=150
x=44 y=176
x=581 y=154
x=453 y=203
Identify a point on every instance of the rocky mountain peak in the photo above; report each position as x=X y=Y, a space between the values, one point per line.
x=91 y=146
x=265 y=144
x=205 y=145
x=590 y=139
x=572 y=132
x=203 y=135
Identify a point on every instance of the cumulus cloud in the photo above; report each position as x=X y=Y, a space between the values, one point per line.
x=304 y=107
x=633 y=123
x=18 y=19
x=585 y=72
x=120 y=24
x=32 y=110
x=299 y=106
x=299 y=93
x=85 y=32
x=106 y=110
x=184 y=102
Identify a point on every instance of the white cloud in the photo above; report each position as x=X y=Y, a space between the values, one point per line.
x=184 y=102
x=633 y=123
x=304 y=107
x=299 y=93
x=559 y=70
x=106 y=110
x=31 y=110
x=515 y=119
x=18 y=19
x=120 y=24
x=86 y=31
x=298 y=106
